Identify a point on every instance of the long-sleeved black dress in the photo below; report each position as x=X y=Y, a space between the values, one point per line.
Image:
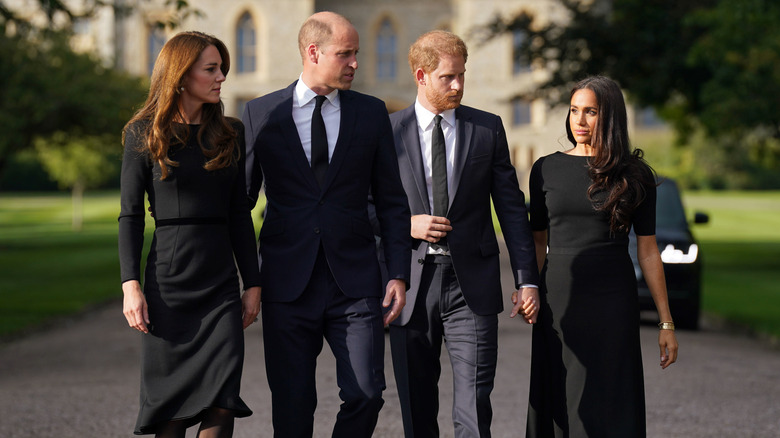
x=586 y=366
x=192 y=358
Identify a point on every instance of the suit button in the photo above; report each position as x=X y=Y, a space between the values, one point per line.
x=316 y=230
x=421 y=261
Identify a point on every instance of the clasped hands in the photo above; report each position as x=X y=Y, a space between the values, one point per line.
x=433 y=228
x=526 y=302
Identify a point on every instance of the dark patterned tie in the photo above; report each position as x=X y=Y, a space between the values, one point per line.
x=441 y=198
x=319 y=142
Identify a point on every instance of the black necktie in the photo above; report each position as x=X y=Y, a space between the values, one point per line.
x=319 y=142
x=441 y=198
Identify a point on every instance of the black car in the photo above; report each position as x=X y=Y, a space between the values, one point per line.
x=680 y=254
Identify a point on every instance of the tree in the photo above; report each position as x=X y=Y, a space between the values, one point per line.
x=635 y=41
x=78 y=162
x=49 y=88
x=711 y=65
x=58 y=14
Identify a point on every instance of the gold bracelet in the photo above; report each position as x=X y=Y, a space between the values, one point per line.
x=668 y=325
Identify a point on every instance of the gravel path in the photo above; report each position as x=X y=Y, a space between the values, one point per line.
x=80 y=379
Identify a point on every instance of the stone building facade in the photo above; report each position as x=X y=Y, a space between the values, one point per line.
x=262 y=38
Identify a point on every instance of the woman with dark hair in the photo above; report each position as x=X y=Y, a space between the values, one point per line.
x=586 y=366
x=183 y=153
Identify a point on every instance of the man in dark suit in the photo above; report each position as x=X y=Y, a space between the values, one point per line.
x=320 y=148
x=453 y=160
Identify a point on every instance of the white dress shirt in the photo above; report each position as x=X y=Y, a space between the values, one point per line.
x=425 y=126
x=303 y=108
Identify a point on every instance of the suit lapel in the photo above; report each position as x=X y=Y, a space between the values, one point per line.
x=346 y=130
x=465 y=132
x=413 y=151
x=292 y=139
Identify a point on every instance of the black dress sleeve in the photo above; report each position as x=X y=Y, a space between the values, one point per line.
x=135 y=181
x=242 y=231
x=538 y=206
x=644 y=215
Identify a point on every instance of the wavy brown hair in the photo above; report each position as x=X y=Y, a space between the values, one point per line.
x=620 y=176
x=216 y=137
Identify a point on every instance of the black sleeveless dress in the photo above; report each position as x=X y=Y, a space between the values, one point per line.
x=586 y=366
x=192 y=359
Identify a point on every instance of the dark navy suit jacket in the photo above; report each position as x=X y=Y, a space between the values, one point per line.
x=301 y=216
x=482 y=171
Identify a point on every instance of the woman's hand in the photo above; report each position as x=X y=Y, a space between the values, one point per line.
x=134 y=306
x=667 y=341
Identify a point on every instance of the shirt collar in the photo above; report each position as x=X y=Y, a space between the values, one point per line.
x=425 y=117
x=304 y=95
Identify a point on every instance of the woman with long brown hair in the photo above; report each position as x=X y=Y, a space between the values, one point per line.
x=183 y=153
x=586 y=366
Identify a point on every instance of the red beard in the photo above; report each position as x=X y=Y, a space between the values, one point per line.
x=443 y=102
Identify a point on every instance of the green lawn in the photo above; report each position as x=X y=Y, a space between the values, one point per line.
x=48 y=271
x=741 y=250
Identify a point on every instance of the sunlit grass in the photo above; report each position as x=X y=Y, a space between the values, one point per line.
x=741 y=250
x=49 y=271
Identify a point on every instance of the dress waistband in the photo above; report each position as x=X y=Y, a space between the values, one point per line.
x=599 y=251
x=190 y=221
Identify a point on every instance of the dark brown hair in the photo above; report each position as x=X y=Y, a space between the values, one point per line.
x=619 y=175
x=217 y=138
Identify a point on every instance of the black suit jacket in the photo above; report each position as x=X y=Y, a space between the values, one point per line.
x=301 y=216
x=482 y=170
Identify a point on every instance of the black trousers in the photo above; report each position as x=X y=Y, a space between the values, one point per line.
x=441 y=313
x=293 y=336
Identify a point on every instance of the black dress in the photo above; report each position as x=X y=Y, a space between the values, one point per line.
x=586 y=366
x=192 y=358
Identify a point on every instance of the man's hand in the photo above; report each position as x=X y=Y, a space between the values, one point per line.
x=250 y=305
x=395 y=295
x=527 y=303
x=430 y=228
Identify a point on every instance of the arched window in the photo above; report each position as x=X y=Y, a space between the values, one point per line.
x=155 y=41
x=519 y=60
x=386 y=41
x=246 y=44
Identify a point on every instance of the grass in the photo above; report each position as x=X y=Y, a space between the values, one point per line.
x=741 y=250
x=48 y=271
